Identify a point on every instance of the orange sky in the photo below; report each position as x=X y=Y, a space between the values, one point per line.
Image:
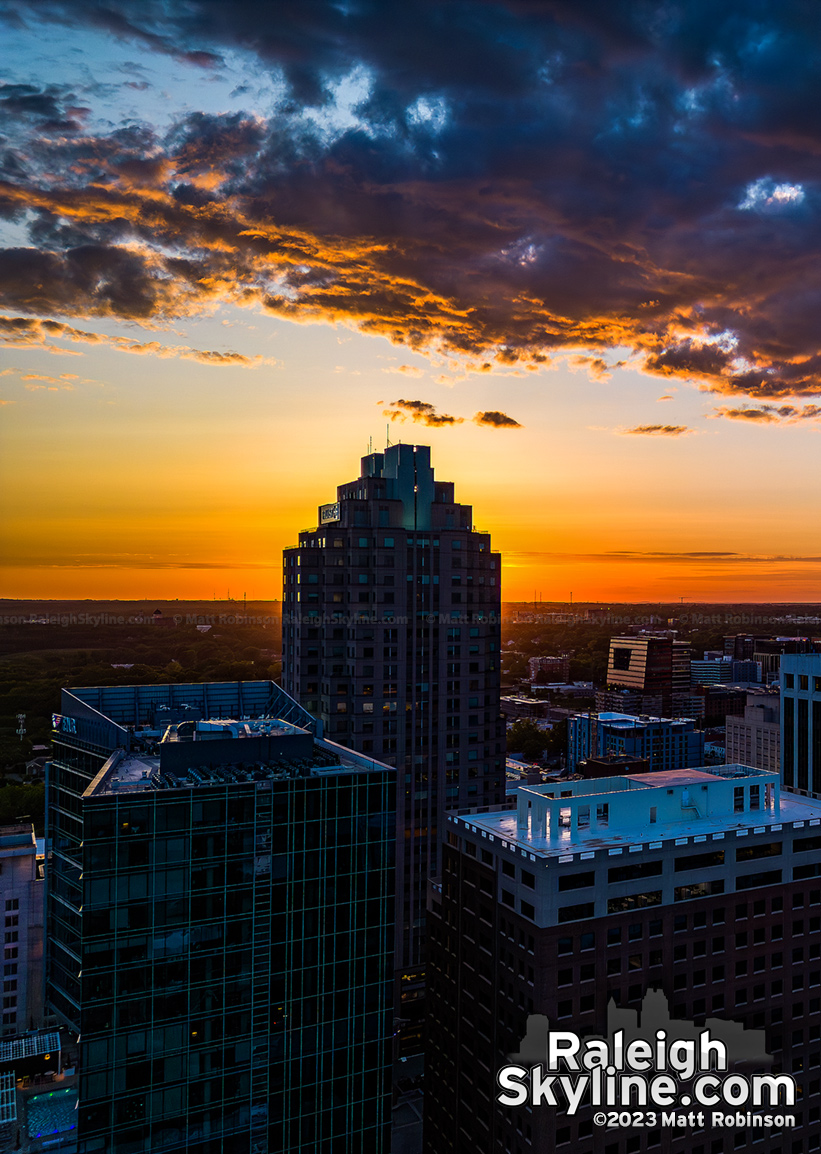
x=147 y=476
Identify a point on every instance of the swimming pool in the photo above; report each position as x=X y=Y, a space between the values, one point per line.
x=51 y=1113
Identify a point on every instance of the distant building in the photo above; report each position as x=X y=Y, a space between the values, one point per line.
x=711 y=671
x=717 y=702
x=652 y=665
x=612 y=765
x=516 y=708
x=801 y=722
x=220 y=922
x=746 y=671
x=630 y=701
x=22 y=894
x=739 y=647
x=755 y=738
x=549 y=668
x=159 y=618
x=665 y=743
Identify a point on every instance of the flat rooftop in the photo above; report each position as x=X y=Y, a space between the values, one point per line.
x=628 y=824
x=137 y=772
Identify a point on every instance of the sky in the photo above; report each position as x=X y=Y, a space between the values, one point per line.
x=572 y=247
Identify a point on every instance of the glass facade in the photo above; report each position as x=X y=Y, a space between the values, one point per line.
x=224 y=952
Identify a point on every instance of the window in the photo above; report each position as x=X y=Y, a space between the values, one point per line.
x=698 y=890
x=572 y=913
x=633 y=871
x=633 y=902
x=574 y=881
x=751 y=852
x=698 y=861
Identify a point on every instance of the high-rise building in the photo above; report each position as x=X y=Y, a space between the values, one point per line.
x=801 y=722
x=220 y=922
x=755 y=738
x=702 y=885
x=655 y=667
x=390 y=635
x=665 y=743
x=21 y=905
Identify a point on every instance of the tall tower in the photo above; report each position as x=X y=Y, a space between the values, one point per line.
x=390 y=635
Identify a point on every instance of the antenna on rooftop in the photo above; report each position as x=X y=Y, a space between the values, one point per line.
x=370 y=445
x=388 y=435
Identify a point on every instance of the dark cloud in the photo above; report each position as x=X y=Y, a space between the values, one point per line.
x=496 y=420
x=420 y=411
x=770 y=414
x=658 y=431
x=574 y=177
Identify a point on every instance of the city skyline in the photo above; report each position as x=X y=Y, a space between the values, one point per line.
x=575 y=255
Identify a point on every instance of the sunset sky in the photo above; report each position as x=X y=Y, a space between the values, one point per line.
x=240 y=239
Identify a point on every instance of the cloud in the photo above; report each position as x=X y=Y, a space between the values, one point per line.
x=666 y=397
x=578 y=178
x=694 y=557
x=421 y=412
x=769 y=414
x=496 y=420
x=28 y=332
x=657 y=431
x=407 y=370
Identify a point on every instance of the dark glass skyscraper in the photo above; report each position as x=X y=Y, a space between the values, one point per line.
x=220 y=923
x=391 y=626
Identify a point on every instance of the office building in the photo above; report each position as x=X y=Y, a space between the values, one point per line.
x=711 y=672
x=654 y=666
x=220 y=922
x=801 y=722
x=749 y=671
x=665 y=743
x=22 y=904
x=391 y=627
x=755 y=738
x=702 y=885
x=740 y=646
x=712 y=704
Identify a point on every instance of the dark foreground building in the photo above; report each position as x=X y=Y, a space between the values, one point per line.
x=703 y=885
x=220 y=923
x=390 y=635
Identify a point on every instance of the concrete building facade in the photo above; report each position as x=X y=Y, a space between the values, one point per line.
x=755 y=738
x=696 y=889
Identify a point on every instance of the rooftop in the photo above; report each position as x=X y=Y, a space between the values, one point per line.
x=140 y=772
x=632 y=720
x=563 y=818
